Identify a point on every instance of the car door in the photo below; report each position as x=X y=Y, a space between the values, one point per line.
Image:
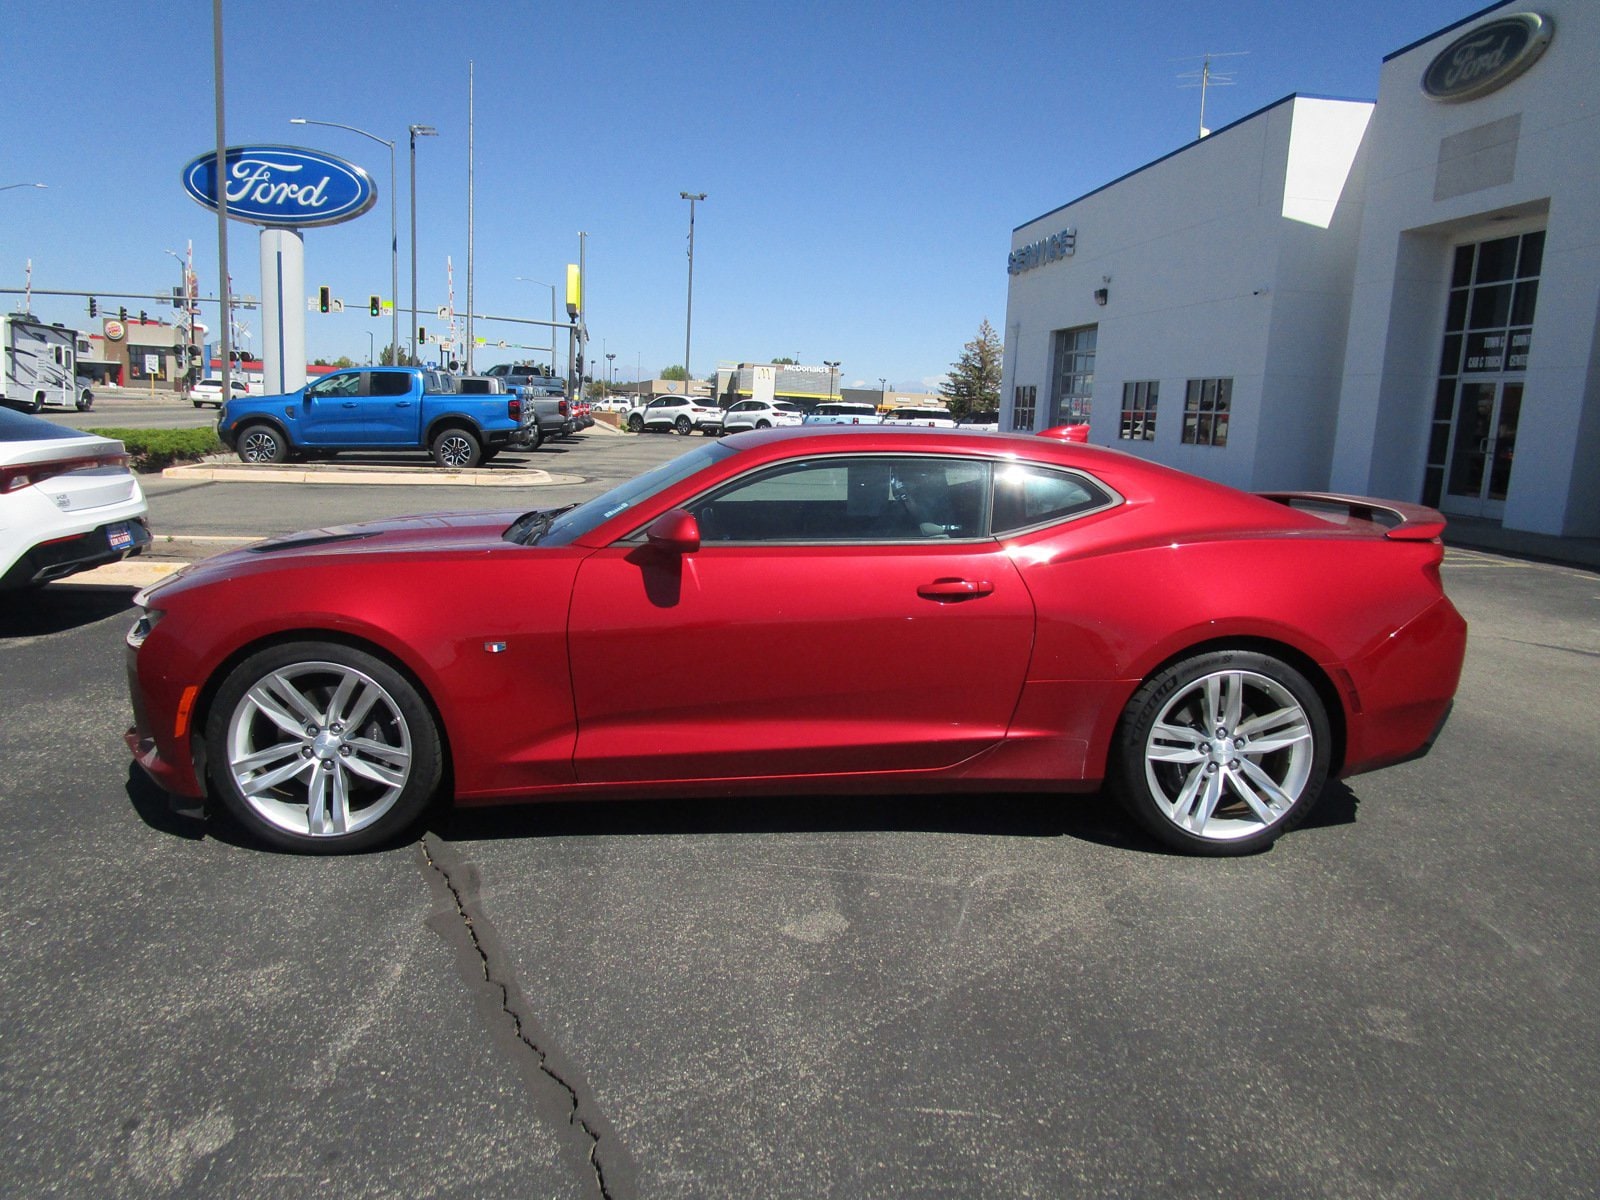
x=332 y=411
x=393 y=408
x=821 y=627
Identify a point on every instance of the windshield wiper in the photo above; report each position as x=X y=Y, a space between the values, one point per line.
x=527 y=529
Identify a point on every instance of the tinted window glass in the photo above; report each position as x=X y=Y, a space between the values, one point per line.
x=390 y=383
x=1025 y=496
x=866 y=499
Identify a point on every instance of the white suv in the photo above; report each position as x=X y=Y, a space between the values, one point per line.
x=681 y=413
x=756 y=414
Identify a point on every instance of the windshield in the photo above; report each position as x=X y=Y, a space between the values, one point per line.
x=570 y=524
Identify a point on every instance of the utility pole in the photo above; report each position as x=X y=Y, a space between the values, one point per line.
x=688 y=318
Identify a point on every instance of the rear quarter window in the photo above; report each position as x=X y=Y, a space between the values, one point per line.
x=1026 y=496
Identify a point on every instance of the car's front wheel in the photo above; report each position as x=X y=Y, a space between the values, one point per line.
x=322 y=748
x=636 y=423
x=457 y=449
x=1221 y=753
x=262 y=444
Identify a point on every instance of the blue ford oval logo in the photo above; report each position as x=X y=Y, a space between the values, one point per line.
x=1488 y=57
x=283 y=186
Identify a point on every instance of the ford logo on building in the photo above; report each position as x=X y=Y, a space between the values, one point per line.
x=1489 y=57
x=284 y=186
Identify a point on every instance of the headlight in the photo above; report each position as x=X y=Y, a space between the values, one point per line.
x=147 y=621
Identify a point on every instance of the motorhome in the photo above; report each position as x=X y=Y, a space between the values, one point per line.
x=41 y=365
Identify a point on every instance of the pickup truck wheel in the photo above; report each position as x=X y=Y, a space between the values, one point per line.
x=261 y=444
x=683 y=426
x=636 y=423
x=488 y=454
x=457 y=449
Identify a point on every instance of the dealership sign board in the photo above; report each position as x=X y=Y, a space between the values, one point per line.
x=1489 y=57
x=283 y=186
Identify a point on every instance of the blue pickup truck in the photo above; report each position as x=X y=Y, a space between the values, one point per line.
x=377 y=408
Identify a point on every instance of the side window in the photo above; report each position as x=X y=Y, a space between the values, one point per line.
x=335 y=386
x=1025 y=496
x=389 y=383
x=867 y=499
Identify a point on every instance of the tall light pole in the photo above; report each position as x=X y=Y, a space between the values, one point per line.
x=552 y=287
x=833 y=370
x=9 y=186
x=883 y=388
x=394 y=227
x=611 y=372
x=416 y=132
x=688 y=316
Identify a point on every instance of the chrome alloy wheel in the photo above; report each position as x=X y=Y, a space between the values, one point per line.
x=457 y=450
x=1229 y=755
x=319 y=749
x=258 y=446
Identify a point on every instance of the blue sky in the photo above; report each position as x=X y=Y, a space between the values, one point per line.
x=864 y=163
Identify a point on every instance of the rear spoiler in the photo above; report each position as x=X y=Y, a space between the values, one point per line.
x=1401 y=522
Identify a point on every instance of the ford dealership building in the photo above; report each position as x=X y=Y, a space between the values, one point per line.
x=1399 y=298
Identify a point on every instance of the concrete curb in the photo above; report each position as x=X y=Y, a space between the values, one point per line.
x=352 y=473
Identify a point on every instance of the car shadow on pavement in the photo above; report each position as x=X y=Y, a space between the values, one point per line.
x=56 y=609
x=1091 y=817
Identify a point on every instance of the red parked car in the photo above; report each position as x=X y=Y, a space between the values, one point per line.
x=812 y=611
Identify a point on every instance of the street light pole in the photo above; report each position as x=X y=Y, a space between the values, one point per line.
x=394 y=227
x=688 y=316
x=883 y=388
x=611 y=372
x=9 y=186
x=416 y=132
x=833 y=370
x=552 y=287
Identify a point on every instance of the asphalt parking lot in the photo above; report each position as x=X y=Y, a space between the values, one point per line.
x=935 y=997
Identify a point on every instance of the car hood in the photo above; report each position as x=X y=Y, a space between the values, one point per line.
x=428 y=533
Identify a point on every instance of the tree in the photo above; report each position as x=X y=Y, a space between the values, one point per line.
x=973 y=384
x=785 y=362
x=674 y=372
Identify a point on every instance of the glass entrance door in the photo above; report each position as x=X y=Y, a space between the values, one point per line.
x=1483 y=445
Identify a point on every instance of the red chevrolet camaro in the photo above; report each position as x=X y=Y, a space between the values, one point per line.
x=811 y=611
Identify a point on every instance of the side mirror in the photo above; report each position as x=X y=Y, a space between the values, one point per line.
x=675 y=532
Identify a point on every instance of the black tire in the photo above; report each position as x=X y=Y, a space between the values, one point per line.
x=35 y=404
x=683 y=425
x=199 y=403
x=763 y=424
x=325 y=788
x=636 y=422
x=1186 y=762
x=86 y=401
x=489 y=453
x=457 y=449
x=262 y=444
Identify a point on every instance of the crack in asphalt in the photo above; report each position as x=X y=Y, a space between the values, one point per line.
x=524 y=1029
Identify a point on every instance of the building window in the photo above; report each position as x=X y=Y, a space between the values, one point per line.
x=1072 y=379
x=1023 y=400
x=1206 y=406
x=1139 y=410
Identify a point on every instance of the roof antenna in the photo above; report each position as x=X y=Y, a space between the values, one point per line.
x=1205 y=78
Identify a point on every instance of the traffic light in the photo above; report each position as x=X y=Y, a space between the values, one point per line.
x=122 y=313
x=375 y=306
x=324 y=299
x=143 y=319
x=94 y=309
x=422 y=334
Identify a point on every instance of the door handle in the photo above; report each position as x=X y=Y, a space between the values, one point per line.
x=402 y=404
x=955 y=589
x=349 y=404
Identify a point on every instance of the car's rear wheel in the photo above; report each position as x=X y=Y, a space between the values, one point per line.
x=457 y=449
x=683 y=426
x=489 y=453
x=262 y=444
x=1222 y=753
x=763 y=424
x=322 y=748
x=636 y=423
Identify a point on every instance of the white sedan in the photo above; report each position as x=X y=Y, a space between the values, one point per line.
x=681 y=413
x=209 y=391
x=68 y=502
x=756 y=414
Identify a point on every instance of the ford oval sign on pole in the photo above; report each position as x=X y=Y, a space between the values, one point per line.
x=285 y=187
